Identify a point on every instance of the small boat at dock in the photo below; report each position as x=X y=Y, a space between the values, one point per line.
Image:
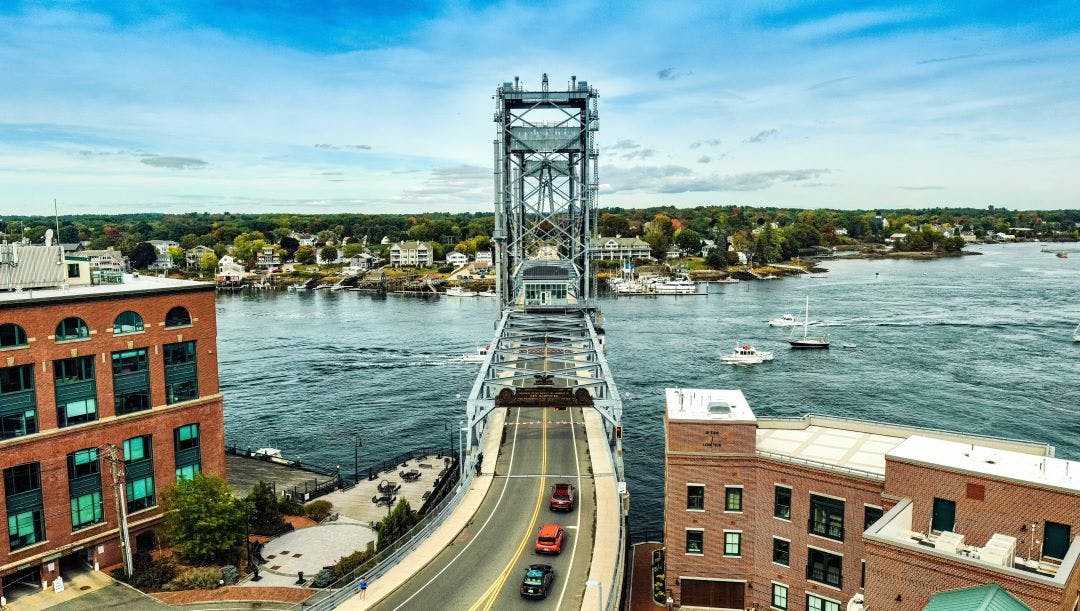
x=457 y=291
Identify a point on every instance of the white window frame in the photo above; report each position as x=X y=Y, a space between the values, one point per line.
x=787 y=596
x=824 y=599
x=732 y=532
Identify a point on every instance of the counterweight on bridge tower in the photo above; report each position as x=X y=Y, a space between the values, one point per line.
x=545 y=195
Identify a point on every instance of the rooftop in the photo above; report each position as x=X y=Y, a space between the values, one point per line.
x=131 y=285
x=829 y=445
x=708 y=404
x=992 y=462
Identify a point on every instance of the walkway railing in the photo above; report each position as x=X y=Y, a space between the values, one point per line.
x=651 y=535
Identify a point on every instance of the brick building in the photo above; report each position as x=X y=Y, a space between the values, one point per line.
x=87 y=373
x=824 y=514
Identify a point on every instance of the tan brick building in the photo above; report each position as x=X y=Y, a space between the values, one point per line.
x=831 y=514
x=87 y=373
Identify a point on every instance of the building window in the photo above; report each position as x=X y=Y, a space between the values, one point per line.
x=181 y=372
x=732 y=498
x=695 y=542
x=25 y=512
x=18 y=402
x=177 y=317
x=83 y=463
x=826 y=568
x=782 y=505
x=944 y=517
x=695 y=497
x=139 y=471
x=814 y=603
x=732 y=543
x=76 y=390
x=87 y=510
x=872 y=514
x=781 y=551
x=826 y=517
x=127 y=322
x=779 y=596
x=131 y=380
x=72 y=328
x=545 y=294
x=186 y=443
x=12 y=336
x=73 y=270
x=1055 y=540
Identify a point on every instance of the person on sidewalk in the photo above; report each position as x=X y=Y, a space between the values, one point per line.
x=363 y=587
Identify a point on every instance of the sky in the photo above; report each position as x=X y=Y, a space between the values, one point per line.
x=386 y=106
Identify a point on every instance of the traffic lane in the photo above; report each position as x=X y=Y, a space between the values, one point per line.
x=478 y=555
x=579 y=572
x=563 y=453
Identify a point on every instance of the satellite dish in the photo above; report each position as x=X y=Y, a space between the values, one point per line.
x=48 y=237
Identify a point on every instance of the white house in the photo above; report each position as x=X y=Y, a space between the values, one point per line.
x=229 y=269
x=456 y=259
x=304 y=239
x=192 y=256
x=415 y=254
x=619 y=248
x=483 y=255
x=267 y=258
x=108 y=260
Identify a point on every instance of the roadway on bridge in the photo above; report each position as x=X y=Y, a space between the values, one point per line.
x=483 y=567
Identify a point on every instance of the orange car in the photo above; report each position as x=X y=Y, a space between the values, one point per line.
x=550 y=539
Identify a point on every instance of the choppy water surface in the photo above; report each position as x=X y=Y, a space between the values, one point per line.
x=980 y=344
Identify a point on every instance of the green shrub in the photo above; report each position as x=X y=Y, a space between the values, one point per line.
x=148 y=574
x=318 y=510
x=291 y=507
x=347 y=564
x=203 y=578
x=323 y=579
x=229 y=574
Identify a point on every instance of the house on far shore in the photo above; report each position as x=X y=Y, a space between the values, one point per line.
x=483 y=256
x=896 y=237
x=414 y=254
x=267 y=259
x=229 y=269
x=619 y=248
x=192 y=256
x=456 y=259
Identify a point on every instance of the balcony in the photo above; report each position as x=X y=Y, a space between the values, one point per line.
x=1000 y=552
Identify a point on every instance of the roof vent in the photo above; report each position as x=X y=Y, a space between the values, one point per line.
x=719 y=408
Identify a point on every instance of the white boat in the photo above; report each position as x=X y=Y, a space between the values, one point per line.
x=728 y=280
x=681 y=286
x=457 y=291
x=807 y=342
x=787 y=320
x=1076 y=334
x=745 y=354
x=488 y=294
x=850 y=346
x=477 y=357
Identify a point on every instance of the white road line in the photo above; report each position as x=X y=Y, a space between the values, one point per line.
x=494 y=510
x=577 y=489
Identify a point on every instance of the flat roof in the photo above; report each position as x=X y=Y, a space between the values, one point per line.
x=131 y=285
x=708 y=404
x=829 y=445
x=992 y=462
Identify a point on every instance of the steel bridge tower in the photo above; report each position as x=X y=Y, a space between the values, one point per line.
x=545 y=195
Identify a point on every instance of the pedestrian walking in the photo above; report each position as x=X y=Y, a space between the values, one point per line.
x=363 y=587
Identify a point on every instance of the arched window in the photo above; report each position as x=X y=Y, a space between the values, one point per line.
x=12 y=335
x=177 y=317
x=127 y=322
x=72 y=328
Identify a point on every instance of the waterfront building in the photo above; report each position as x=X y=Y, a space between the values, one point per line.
x=193 y=256
x=819 y=512
x=619 y=249
x=414 y=254
x=456 y=259
x=483 y=255
x=164 y=261
x=109 y=260
x=97 y=380
x=229 y=269
x=267 y=259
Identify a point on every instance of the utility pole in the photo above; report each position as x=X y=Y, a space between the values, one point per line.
x=119 y=485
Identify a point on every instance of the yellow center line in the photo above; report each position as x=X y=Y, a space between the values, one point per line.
x=492 y=593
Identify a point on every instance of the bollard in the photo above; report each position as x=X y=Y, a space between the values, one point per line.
x=299 y=578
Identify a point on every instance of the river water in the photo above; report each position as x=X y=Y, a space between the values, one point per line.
x=980 y=344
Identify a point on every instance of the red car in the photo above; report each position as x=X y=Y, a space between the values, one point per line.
x=550 y=539
x=562 y=497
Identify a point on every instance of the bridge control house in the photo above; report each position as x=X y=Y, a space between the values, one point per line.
x=831 y=514
x=98 y=375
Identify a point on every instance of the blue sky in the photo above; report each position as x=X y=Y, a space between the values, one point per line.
x=386 y=106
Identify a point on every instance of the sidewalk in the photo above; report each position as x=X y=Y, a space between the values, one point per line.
x=608 y=513
x=446 y=532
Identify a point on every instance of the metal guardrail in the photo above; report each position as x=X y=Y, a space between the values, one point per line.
x=821 y=465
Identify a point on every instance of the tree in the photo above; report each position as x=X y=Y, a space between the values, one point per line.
x=352 y=249
x=290 y=244
x=142 y=255
x=208 y=263
x=715 y=259
x=305 y=255
x=328 y=254
x=247 y=247
x=689 y=241
x=68 y=234
x=396 y=523
x=264 y=512
x=177 y=255
x=614 y=224
x=203 y=519
x=658 y=242
x=662 y=222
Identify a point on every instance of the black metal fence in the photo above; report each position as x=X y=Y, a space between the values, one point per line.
x=652 y=535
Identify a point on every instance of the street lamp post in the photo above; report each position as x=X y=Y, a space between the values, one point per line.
x=357 y=442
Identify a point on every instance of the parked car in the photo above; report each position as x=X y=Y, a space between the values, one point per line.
x=537 y=581
x=550 y=539
x=562 y=497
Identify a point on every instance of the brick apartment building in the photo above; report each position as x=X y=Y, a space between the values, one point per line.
x=89 y=371
x=831 y=514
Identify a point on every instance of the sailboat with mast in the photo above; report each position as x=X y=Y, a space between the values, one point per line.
x=807 y=342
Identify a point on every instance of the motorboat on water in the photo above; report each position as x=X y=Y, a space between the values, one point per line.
x=807 y=342
x=850 y=346
x=478 y=356
x=487 y=294
x=680 y=286
x=457 y=291
x=787 y=320
x=745 y=354
x=1063 y=254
